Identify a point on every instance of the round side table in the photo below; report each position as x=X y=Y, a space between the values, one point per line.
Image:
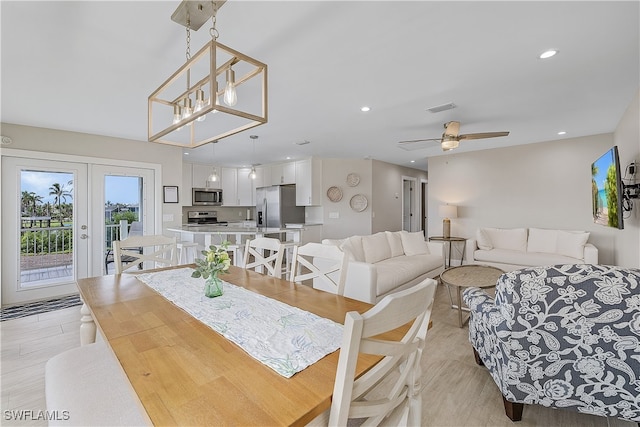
x=468 y=276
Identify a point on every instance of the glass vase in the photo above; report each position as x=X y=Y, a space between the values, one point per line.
x=213 y=286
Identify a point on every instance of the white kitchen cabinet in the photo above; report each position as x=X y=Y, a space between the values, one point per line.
x=245 y=188
x=308 y=182
x=229 y=186
x=263 y=176
x=283 y=173
x=237 y=187
x=200 y=175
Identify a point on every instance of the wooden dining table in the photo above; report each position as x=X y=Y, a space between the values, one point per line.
x=185 y=373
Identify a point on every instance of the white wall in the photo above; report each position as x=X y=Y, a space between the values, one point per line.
x=387 y=197
x=627 y=138
x=545 y=185
x=82 y=144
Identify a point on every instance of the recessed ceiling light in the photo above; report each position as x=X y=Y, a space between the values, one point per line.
x=288 y=157
x=412 y=161
x=365 y=109
x=562 y=132
x=186 y=154
x=548 y=54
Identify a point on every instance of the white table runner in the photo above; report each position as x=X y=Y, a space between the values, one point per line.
x=285 y=338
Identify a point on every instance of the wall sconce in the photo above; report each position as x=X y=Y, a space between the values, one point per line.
x=446 y=212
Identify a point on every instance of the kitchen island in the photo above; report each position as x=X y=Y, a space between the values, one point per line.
x=207 y=235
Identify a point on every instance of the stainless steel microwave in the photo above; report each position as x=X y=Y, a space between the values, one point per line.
x=206 y=197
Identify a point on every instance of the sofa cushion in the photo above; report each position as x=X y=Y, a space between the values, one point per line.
x=541 y=240
x=376 y=247
x=571 y=243
x=414 y=243
x=483 y=240
x=514 y=239
x=395 y=272
x=353 y=247
x=506 y=256
x=395 y=243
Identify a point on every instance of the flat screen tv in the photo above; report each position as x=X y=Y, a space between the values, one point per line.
x=606 y=189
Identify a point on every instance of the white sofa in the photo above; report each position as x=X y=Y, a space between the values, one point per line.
x=387 y=262
x=516 y=248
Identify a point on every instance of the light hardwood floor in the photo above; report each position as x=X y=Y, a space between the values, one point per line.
x=457 y=392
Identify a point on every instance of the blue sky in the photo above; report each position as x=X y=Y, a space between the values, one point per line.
x=120 y=189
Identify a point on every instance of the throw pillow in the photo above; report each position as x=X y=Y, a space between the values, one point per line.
x=571 y=243
x=414 y=243
x=395 y=242
x=353 y=247
x=514 y=239
x=541 y=240
x=376 y=247
x=483 y=240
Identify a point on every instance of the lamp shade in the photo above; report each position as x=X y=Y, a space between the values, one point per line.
x=448 y=211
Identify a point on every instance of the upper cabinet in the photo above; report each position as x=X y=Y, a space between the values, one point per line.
x=246 y=188
x=308 y=179
x=263 y=176
x=200 y=175
x=283 y=173
x=237 y=187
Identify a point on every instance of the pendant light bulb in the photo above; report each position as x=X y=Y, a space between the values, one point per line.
x=230 y=96
x=253 y=174
x=187 y=109
x=200 y=104
x=214 y=176
x=177 y=114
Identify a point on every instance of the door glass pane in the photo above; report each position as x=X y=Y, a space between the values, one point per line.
x=123 y=206
x=46 y=228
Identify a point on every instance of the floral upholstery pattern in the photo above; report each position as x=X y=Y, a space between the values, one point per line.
x=563 y=336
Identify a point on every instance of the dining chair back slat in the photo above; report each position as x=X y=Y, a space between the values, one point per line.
x=326 y=265
x=158 y=250
x=266 y=253
x=390 y=391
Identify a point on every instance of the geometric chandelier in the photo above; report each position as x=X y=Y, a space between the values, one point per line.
x=217 y=93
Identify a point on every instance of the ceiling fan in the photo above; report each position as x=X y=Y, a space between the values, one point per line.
x=451 y=138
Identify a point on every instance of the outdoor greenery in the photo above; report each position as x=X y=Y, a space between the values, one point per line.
x=611 y=188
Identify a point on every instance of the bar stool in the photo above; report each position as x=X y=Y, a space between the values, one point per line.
x=187 y=252
x=288 y=256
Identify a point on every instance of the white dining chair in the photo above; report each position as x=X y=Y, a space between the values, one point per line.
x=393 y=383
x=326 y=265
x=266 y=253
x=159 y=250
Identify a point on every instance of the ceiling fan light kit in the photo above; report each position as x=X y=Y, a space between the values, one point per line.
x=215 y=70
x=451 y=137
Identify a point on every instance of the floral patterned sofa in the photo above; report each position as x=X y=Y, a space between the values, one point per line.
x=563 y=336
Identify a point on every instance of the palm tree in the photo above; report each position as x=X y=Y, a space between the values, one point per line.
x=60 y=194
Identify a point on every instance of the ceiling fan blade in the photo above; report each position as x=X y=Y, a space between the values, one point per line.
x=413 y=141
x=482 y=135
x=452 y=128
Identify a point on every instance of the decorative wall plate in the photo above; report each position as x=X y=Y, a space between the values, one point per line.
x=353 y=179
x=358 y=203
x=334 y=194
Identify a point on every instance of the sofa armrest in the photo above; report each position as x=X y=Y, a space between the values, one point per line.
x=590 y=254
x=469 y=248
x=361 y=282
x=437 y=248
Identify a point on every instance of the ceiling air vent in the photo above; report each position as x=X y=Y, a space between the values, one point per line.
x=443 y=107
x=6 y=140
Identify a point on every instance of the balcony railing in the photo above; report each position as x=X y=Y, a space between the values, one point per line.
x=49 y=250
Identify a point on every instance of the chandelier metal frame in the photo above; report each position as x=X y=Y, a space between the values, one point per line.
x=169 y=98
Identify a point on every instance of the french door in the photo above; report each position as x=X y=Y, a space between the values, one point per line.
x=44 y=228
x=57 y=212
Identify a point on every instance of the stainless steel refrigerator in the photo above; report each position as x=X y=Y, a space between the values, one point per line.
x=276 y=206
